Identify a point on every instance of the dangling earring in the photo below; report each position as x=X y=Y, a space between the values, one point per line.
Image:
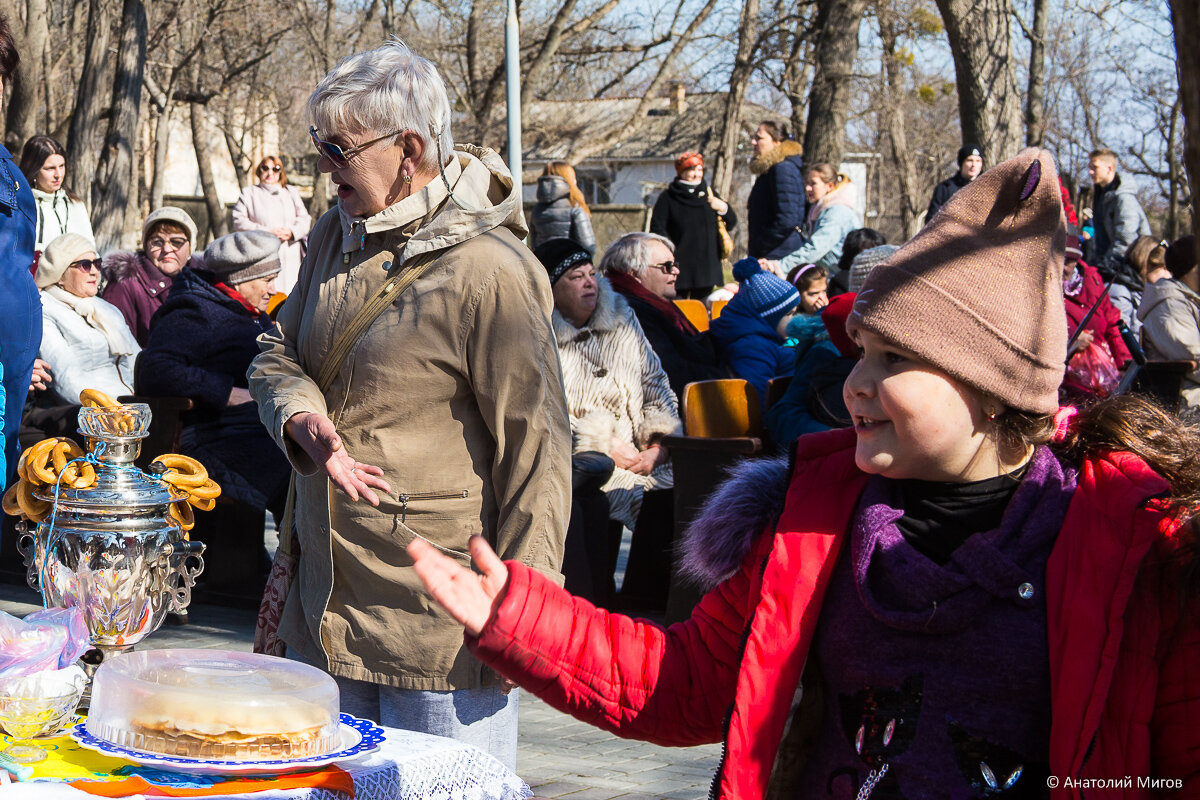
x=991 y=416
x=407 y=177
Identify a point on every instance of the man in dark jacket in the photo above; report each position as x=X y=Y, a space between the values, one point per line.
x=200 y=345
x=970 y=164
x=641 y=266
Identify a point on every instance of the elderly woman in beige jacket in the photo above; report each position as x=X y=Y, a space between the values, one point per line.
x=447 y=418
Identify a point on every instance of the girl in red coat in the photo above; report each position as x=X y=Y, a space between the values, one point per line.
x=973 y=593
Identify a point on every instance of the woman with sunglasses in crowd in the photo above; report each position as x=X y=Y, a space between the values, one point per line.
x=84 y=339
x=273 y=206
x=981 y=595
x=444 y=412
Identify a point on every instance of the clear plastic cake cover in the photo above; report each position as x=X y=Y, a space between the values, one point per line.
x=214 y=704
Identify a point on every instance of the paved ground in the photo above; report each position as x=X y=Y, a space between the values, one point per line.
x=557 y=755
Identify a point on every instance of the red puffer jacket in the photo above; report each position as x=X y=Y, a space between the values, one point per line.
x=1125 y=681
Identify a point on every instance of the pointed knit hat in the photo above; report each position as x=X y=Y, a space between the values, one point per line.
x=978 y=292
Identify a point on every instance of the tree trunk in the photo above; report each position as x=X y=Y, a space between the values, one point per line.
x=731 y=122
x=319 y=203
x=1035 y=100
x=241 y=161
x=216 y=211
x=902 y=158
x=162 y=139
x=1185 y=17
x=22 y=121
x=988 y=98
x=116 y=174
x=83 y=141
x=829 y=99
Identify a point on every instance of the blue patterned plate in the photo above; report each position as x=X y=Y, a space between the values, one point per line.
x=358 y=736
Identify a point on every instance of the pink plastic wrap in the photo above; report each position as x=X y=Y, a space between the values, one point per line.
x=50 y=639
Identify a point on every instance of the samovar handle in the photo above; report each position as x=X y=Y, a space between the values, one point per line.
x=191 y=552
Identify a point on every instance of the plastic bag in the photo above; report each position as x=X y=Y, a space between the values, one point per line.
x=1093 y=370
x=50 y=639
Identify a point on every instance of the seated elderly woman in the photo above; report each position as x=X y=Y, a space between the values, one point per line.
x=621 y=404
x=641 y=268
x=203 y=340
x=138 y=283
x=84 y=339
x=414 y=367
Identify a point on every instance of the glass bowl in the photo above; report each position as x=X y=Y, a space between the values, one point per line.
x=129 y=421
x=28 y=717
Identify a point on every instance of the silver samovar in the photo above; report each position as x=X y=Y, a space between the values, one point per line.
x=112 y=548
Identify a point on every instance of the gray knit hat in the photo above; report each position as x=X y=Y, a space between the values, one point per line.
x=243 y=256
x=170 y=214
x=866 y=261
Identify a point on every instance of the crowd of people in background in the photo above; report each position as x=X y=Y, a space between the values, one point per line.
x=412 y=320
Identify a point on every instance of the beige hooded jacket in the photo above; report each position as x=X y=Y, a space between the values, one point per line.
x=455 y=391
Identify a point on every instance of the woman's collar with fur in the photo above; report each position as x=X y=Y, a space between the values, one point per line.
x=785 y=149
x=609 y=313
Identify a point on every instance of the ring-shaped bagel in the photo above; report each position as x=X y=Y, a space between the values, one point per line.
x=202 y=503
x=183 y=471
x=182 y=513
x=39 y=466
x=209 y=490
x=64 y=450
x=9 y=501
x=94 y=398
x=87 y=477
x=31 y=507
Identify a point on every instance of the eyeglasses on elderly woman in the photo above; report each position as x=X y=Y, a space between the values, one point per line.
x=341 y=156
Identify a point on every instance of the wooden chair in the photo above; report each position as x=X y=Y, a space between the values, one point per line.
x=274 y=303
x=723 y=408
x=695 y=311
x=717 y=307
x=723 y=425
x=232 y=531
x=776 y=389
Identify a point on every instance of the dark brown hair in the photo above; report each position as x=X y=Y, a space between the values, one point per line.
x=10 y=59
x=811 y=274
x=776 y=130
x=167 y=226
x=34 y=155
x=1168 y=443
x=272 y=160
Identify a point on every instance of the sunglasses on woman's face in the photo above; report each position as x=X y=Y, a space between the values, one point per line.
x=87 y=265
x=341 y=156
x=270 y=168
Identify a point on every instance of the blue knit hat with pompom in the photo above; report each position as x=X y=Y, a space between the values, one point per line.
x=762 y=292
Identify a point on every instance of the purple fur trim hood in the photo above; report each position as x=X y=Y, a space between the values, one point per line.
x=740 y=510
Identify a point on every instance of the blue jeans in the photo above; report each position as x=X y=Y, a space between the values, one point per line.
x=485 y=718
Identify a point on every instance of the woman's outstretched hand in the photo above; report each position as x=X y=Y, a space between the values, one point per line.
x=318 y=437
x=470 y=597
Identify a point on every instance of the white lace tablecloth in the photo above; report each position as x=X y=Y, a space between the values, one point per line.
x=407 y=766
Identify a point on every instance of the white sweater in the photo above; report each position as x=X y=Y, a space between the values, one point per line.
x=78 y=354
x=58 y=214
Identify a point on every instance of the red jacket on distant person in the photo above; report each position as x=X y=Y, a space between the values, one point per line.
x=1103 y=323
x=1123 y=675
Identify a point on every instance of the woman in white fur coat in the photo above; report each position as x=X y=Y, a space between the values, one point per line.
x=619 y=400
x=272 y=205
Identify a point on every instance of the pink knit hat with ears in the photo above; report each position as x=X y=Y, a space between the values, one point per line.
x=978 y=292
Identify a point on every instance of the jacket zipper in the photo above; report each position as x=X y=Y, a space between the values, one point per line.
x=406 y=496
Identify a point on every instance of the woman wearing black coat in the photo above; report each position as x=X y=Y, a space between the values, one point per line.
x=686 y=213
x=201 y=343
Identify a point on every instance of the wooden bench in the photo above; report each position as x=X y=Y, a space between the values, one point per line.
x=722 y=425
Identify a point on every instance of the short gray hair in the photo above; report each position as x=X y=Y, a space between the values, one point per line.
x=383 y=90
x=631 y=253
